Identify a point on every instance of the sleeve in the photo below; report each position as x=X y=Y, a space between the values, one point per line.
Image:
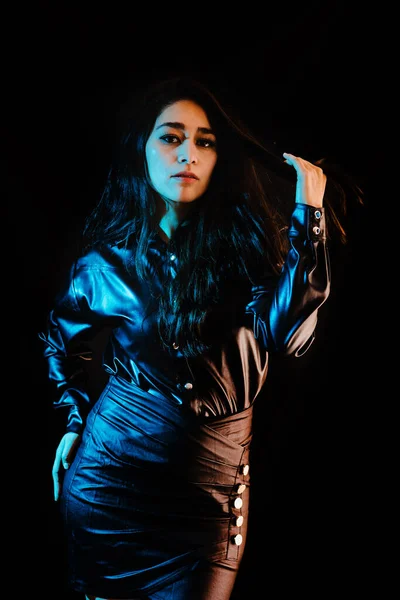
x=285 y=310
x=71 y=329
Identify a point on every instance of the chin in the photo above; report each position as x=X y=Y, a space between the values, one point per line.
x=185 y=200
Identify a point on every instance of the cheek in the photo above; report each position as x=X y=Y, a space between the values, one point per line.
x=211 y=167
x=155 y=164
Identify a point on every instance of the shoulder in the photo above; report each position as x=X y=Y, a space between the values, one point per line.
x=92 y=276
x=95 y=274
x=107 y=257
x=99 y=269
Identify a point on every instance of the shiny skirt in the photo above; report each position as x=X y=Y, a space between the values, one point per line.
x=156 y=499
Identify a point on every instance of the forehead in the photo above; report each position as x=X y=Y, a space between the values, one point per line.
x=187 y=112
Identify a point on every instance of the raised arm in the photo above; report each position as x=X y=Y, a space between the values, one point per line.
x=285 y=310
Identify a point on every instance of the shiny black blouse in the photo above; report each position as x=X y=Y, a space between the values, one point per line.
x=278 y=315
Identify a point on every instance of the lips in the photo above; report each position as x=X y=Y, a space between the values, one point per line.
x=185 y=175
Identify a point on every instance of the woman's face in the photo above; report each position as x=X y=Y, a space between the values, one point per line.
x=181 y=152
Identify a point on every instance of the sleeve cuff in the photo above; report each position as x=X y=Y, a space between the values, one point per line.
x=308 y=222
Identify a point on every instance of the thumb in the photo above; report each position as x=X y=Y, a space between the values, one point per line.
x=69 y=445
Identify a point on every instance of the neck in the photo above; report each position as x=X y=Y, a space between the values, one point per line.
x=170 y=215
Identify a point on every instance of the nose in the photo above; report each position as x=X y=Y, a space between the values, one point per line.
x=187 y=152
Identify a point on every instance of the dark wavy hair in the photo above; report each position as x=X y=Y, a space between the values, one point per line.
x=237 y=230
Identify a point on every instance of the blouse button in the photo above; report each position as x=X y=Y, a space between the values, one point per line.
x=175 y=346
x=240 y=488
x=316 y=230
x=172 y=257
x=245 y=469
x=188 y=385
x=317 y=214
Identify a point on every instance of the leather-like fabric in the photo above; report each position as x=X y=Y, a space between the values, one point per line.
x=276 y=315
x=149 y=493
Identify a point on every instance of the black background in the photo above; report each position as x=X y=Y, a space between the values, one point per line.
x=308 y=77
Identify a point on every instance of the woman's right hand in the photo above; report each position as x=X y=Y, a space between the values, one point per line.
x=64 y=456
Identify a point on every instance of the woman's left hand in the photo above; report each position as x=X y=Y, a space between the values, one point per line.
x=311 y=181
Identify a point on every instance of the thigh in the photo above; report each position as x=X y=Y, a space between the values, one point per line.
x=98 y=598
x=214 y=580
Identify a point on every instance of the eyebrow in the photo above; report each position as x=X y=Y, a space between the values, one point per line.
x=177 y=125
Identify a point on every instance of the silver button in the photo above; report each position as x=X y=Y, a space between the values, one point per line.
x=239 y=521
x=240 y=488
x=237 y=539
x=245 y=469
x=316 y=230
x=175 y=346
x=188 y=385
x=317 y=214
x=238 y=503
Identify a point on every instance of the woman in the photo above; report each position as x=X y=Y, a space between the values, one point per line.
x=196 y=278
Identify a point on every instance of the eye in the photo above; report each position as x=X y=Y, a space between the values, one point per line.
x=170 y=138
x=206 y=143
